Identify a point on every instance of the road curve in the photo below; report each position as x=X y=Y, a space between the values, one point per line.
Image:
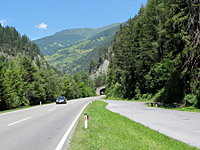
x=39 y=128
x=180 y=125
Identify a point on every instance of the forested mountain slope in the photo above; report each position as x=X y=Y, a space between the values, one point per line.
x=72 y=50
x=12 y=43
x=156 y=54
x=25 y=77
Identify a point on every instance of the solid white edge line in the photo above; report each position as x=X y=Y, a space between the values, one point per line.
x=25 y=109
x=51 y=109
x=19 y=121
x=64 y=138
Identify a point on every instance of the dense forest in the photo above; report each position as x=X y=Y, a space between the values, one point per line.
x=26 y=78
x=156 y=54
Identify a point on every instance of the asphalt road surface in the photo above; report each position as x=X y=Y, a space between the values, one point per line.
x=39 y=128
x=183 y=126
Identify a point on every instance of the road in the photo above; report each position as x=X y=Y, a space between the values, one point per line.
x=183 y=126
x=39 y=128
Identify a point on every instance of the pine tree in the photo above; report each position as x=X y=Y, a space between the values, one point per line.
x=68 y=92
x=14 y=92
x=2 y=87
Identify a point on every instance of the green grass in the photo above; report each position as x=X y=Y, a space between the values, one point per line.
x=114 y=98
x=25 y=107
x=20 y=108
x=189 y=109
x=120 y=99
x=110 y=131
x=103 y=97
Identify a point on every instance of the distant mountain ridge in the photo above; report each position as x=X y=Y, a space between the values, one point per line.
x=68 y=49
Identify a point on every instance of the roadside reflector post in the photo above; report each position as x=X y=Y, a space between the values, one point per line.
x=40 y=103
x=86 y=119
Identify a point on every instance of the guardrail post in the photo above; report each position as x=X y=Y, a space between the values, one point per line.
x=86 y=118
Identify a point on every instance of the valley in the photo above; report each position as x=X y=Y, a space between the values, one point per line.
x=72 y=50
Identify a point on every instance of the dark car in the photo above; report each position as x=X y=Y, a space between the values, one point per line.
x=61 y=100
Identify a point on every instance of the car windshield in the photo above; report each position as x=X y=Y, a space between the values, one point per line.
x=60 y=97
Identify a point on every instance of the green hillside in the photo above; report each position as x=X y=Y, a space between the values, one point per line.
x=49 y=45
x=25 y=77
x=72 y=50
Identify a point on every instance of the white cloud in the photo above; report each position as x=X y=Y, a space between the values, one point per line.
x=42 y=26
x=2 y=22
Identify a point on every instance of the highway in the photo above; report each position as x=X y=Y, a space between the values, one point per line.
x=180 y=125
x=43 y=127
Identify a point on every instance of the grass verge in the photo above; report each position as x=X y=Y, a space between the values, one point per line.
x=120 y=99
x=189 y=109
x=20 y=108
x=10 y=110
x=110 y=131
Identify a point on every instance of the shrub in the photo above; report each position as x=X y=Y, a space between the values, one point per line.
x=190 y=100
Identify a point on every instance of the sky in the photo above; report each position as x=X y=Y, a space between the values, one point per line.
x=40 y=18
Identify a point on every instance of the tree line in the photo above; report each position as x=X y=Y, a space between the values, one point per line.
x=23 y=83
x=81 y=84
x=156 y=54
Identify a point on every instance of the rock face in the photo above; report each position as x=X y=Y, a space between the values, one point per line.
x=103 y=68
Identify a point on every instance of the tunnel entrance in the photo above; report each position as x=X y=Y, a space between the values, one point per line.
x=102 y=91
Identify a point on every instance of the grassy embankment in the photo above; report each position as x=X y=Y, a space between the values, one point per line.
x=20 y=108
x=189 y=109
x=110 y=131
x=120 y=99
x=5 y=111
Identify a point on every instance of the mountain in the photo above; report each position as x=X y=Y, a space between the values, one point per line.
x=49 y=45
x=13 y=44
x=72 y=49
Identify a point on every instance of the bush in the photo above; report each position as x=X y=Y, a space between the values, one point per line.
x=190 y=100
x=198 y=98
x=158 y=97
x=147 y=96
x=174 y=90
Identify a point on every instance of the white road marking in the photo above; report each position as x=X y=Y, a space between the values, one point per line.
x=19 y=121
x=64 y=138
x=51 y=109
x=35 y=107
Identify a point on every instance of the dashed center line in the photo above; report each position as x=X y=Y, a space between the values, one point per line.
x=51 y=109
x=19 y=121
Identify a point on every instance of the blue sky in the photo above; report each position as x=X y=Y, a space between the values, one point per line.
x=40 y=18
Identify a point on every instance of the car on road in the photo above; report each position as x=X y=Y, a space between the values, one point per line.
x=61 y=100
